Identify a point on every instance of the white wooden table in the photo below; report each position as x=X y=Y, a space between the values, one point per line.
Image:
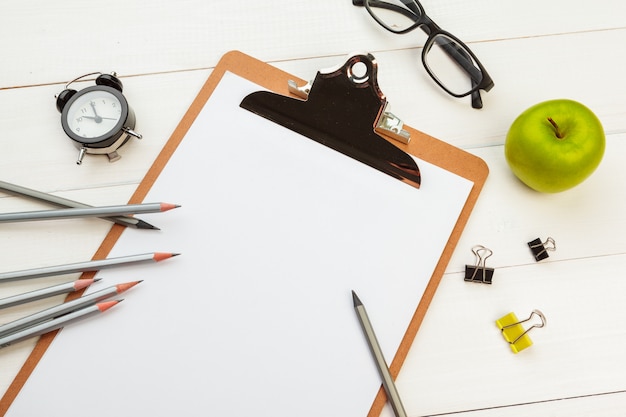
x=534 y=50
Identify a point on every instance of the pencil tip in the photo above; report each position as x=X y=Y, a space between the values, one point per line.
x=105 y=305
x=159 y=256
x=145 y=225
x=168 y=206
x=126 y=286
x=355 y=299
x=83 y=283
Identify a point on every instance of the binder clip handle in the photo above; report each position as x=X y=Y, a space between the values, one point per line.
x=481 y=253
x=478 y=252
x=534 y=326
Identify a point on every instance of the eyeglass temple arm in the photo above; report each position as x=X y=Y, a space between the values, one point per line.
x=477 y=101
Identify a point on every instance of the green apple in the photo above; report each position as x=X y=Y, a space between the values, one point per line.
x=555 y=145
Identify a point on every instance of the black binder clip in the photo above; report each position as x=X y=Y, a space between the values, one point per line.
x=343 y=108
x=479 y=272
x=540 y=249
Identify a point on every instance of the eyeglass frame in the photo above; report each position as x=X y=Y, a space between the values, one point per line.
x=432 y=30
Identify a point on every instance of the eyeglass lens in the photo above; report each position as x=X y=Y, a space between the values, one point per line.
x=452 y=65
x=447 y=60
x=395 y=15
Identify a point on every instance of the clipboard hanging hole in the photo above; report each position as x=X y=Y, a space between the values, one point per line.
x=358 y=72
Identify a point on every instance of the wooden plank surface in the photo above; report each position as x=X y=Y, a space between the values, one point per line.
x=534 y=51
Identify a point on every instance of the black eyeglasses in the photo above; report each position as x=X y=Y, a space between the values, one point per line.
x=446 y=58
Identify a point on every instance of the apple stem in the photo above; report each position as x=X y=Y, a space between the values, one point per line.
x=556 y=128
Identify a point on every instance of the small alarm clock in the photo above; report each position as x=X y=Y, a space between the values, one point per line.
x=98 y=118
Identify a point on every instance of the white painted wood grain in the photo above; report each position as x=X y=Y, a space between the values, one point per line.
x=54 y=41
x=605 y=405
x=460 y=361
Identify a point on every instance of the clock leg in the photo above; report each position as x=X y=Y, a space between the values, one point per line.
x=81 y=154
x=113 y=156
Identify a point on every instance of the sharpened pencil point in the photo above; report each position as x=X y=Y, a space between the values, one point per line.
x=355 y=299
x=145 y=225
x=168 y=206
x=159 y=256
x=83 y=283
x=105 y=305
x=126 y=286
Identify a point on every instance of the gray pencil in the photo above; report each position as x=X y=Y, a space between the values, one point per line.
x=94 y=265
x=47 y=292
x=61 y=309
x=383 y=369
x=69 y=213
x=64 y=202
x=56 y=323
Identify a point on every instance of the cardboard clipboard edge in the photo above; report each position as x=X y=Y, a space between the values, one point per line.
x=478 y=174
x=423 y=146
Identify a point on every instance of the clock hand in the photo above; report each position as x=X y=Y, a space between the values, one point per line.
x=98 y=119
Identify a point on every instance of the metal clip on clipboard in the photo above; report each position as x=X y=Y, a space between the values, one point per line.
x=343 y=108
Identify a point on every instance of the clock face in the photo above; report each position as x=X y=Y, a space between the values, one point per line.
x=95 y=114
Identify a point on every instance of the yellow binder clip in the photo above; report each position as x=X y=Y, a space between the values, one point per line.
x=514 y=333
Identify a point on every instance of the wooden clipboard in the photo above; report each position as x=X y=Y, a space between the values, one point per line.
x=421 y=145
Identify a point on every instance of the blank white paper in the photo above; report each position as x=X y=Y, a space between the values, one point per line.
x=255 y=317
